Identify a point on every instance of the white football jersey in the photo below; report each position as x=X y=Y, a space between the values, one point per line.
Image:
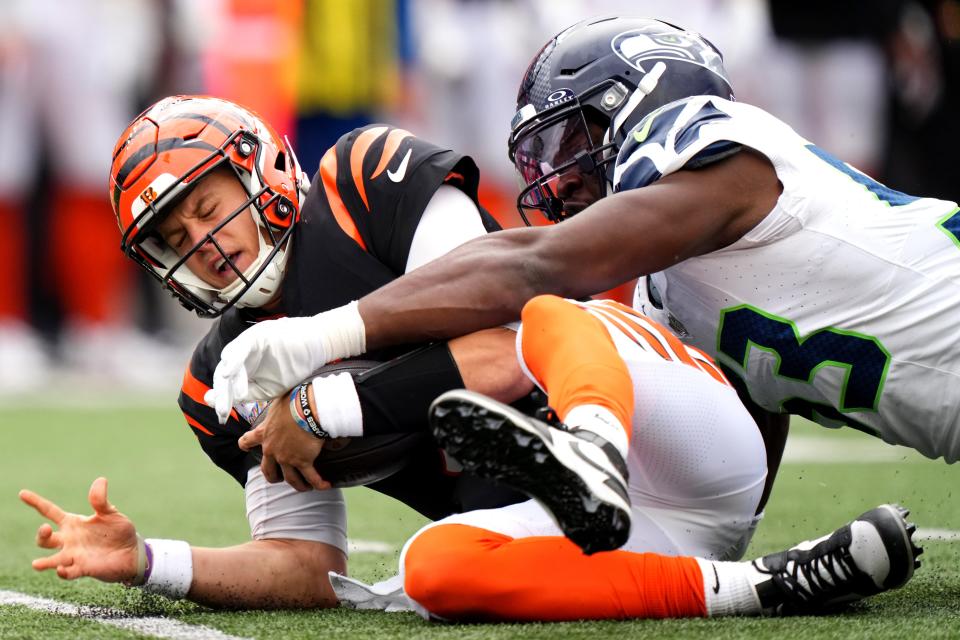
x=839 y=306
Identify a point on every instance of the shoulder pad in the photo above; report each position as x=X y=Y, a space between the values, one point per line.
x=668 y=139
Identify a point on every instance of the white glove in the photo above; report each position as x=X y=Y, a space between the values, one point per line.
x=271 y=357
x=386 y=595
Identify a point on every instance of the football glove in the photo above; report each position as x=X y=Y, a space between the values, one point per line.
x=271 y=357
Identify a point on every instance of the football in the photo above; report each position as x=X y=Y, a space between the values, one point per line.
x=352 y=462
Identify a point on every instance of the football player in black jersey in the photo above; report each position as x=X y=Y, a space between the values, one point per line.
x=212 y=203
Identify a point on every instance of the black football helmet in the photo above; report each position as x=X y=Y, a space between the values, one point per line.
x=584 y=92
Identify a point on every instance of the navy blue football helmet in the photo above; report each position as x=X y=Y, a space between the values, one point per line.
x=583 y=93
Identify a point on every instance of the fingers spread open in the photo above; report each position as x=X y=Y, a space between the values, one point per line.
x=98 y=498
x=46 y=508
x=47 y=538
x=52 y=562
x=70 y=572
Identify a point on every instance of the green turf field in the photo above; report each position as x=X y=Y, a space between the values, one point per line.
x=161 y=479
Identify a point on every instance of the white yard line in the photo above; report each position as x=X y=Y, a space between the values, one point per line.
x=936 y=534
x=369 y=546
x=814 y=449
x=155 y=626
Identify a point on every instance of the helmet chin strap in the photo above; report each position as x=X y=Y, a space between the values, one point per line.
x=644 y=88
x=267 y=284
x=264 y=288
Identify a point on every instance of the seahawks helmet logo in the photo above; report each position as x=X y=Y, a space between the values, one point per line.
x=655 y=43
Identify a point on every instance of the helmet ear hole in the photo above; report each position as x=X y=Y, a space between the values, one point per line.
x=280 y=164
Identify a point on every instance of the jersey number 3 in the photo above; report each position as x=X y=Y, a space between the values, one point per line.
x=864 y=358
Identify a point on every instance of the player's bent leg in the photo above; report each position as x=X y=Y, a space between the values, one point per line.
x=576 y=475
x=462 y=572
x=697 y=462
x=573 y=357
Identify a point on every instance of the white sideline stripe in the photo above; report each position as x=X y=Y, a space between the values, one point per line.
x=155 y=626
x=91 y=400
x=936 y=534
x=827 y=450
x=369 y=546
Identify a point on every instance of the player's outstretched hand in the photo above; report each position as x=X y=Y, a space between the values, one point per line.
x=102 y=546
x=274 y=355
x=288 y=450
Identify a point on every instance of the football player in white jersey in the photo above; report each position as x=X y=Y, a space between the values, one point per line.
x=683 y=497
x=820 y=291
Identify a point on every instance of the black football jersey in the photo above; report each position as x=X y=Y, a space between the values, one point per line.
x=354 y=234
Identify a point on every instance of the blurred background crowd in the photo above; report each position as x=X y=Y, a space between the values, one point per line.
x=874 y=82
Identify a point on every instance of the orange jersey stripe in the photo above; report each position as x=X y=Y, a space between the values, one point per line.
x=328 y=177
x=195 y=390
x=706 y=363
x=654 y=341
x=631 y=316
x=196 y=425
x=649 y=334
x=360 y=147
x=637 y=328
x=394 y=138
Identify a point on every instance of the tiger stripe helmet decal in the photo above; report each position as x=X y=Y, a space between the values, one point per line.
x=164 y=152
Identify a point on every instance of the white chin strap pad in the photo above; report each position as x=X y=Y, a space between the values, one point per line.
x=267 y=284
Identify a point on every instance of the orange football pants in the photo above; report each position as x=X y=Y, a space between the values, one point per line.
x=460 y=572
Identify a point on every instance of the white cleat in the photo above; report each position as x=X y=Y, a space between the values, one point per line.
x=872 y=554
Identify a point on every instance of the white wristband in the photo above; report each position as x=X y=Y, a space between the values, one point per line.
x=171 y=569
x=342 y=333
x=337 y=405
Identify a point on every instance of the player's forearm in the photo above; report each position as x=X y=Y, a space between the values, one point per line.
x=487 y=281
x=482 y=284
x=266 y=574
x=487 y=361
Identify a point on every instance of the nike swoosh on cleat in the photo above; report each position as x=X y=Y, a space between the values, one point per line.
x=716 y=576
x=401 y=172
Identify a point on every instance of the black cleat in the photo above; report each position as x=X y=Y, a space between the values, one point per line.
x=872 y=554
x=577 y=476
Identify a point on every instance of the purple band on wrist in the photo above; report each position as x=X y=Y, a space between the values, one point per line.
x=149 y=553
